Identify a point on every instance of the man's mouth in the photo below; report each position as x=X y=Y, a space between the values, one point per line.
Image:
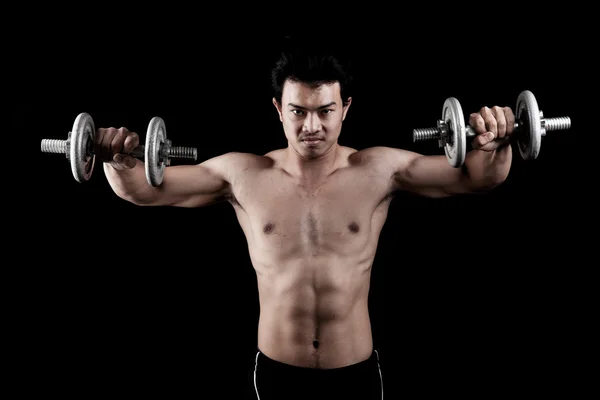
x=311 y=140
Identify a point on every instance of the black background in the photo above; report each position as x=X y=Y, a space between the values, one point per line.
x=469 y=294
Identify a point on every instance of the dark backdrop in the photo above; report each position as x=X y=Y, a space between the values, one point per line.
x=468 y=292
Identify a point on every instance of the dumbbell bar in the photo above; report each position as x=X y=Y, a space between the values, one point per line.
x=530 y=126
x=79 y=149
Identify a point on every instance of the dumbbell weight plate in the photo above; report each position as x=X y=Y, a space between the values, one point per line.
x=455 y=149
x=81 y=144
x=155 y=137
x=529 y=137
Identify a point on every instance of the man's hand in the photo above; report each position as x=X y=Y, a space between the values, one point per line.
x=493 y=127
x=114 y=145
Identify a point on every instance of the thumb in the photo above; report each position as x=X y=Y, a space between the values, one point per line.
x=494 y=144
x=491 y=146
x=126 y=161
x=483 y=141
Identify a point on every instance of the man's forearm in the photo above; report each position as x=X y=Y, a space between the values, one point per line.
x=131 y=184
x=488 y=169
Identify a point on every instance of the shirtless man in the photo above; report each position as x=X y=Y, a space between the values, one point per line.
x=312 y=214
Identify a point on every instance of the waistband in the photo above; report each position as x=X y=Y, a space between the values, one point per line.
x=262 y=361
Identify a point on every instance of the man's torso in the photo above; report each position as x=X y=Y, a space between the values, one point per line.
x=312 y=246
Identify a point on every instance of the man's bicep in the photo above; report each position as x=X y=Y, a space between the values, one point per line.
x=426 y=175
x=199 y=185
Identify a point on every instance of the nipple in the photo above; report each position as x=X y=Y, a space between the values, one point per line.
x=268 y=228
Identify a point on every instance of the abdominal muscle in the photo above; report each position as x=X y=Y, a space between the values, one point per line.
x=314 y=311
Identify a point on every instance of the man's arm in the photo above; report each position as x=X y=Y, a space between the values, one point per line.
x=432 y=176
x=182 y=185
x=485 y=167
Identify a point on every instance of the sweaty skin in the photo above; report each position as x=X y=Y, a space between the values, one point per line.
x=312 y=214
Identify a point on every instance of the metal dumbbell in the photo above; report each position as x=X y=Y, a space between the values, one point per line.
x=530 y=126
x=79 y=149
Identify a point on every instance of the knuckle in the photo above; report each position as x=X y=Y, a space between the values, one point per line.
x=117 y=135
x=130 y=142
x=108 y=136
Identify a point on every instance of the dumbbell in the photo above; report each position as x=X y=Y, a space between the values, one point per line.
x=79 y=149
x=530 y=126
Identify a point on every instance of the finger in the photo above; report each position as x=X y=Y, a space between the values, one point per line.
x=122 y=161
x=482 y=140
x=490 y=120
x=510 y=120
x=127 y=161
x=116 y=145
x=116 y=165
x=477 y=123
x=498 y=113
x=104 y=148
x=489 y=146
x=494 y=144
x=131 y=142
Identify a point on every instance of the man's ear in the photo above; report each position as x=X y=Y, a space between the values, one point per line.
x=346 y=107
x=278 y=107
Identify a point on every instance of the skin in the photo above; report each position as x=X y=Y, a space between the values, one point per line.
x=312 y=214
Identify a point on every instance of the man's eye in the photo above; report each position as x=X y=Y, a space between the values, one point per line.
x=297 y=112
x=327 y=111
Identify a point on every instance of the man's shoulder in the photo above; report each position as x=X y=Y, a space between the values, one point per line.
x=242 y=161
x=274 y=155
x=246 y=158
x=375 y=155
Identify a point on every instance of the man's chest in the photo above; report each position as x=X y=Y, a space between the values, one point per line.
x=336 y=212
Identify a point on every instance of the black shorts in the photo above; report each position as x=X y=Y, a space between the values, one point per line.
x=270 y=379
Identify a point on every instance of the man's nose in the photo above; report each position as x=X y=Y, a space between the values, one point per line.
x=312 y=123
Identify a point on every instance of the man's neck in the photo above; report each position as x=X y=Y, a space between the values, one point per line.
x=312 y=171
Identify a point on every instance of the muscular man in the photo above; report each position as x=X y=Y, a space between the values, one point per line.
x=312 y=214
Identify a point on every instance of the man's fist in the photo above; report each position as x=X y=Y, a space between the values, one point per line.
x=113 y=146
x=493 y=127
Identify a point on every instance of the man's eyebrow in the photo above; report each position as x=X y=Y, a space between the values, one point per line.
x=319 y=108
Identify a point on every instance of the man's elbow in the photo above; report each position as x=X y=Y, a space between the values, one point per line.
x=488 y=182
x=475 y=183
x=138 y=198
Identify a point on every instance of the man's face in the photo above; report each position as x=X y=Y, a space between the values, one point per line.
x=311 y=116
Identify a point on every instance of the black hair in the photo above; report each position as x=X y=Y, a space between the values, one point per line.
x=308 y=60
